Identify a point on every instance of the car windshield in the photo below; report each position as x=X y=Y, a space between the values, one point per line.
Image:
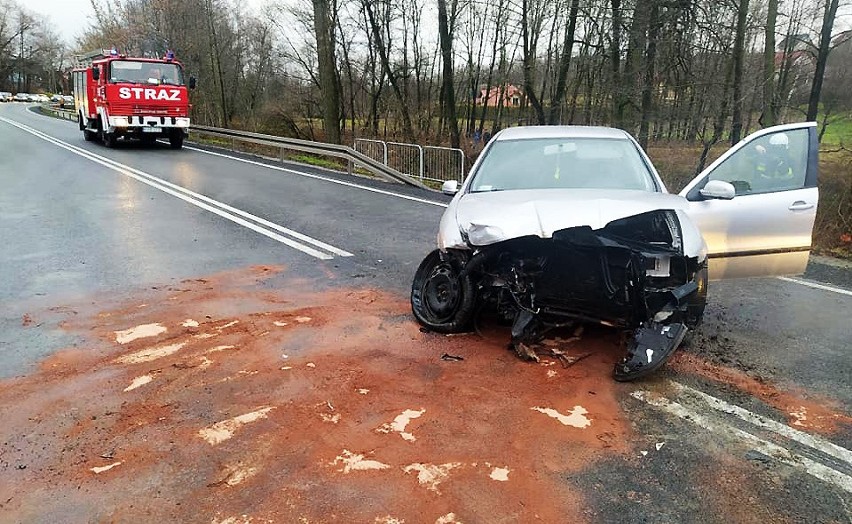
x=155 y=73
x=562 y=163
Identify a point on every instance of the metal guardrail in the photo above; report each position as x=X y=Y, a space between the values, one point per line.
x=375 y=149
x=443 y=163
x=374 y=166
x=437 y=164
x=316 y=148
x=66 y=114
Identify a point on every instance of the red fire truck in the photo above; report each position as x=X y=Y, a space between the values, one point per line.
x=144 y=98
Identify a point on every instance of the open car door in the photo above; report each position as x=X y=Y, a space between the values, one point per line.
x=756 y=204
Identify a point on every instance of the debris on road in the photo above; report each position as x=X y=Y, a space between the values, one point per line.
x=401 y=422
x=100 y=469
x=147 y=355
x=223 y=430
x=431 y=475
x=451 y=358
x=500 y=474
x=577 y=418
x=355 y=462
x=138 y=381
x=142 y=331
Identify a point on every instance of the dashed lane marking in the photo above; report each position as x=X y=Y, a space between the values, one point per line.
x=294 y=239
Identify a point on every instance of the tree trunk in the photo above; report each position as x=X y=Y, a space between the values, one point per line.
x=769 y=116
x=635 y=49
x=739 y=56
x=407 y=130
x=822 y=58
x=324 y=30
x=650 y=74
x=448 y=84
x=615 y=57
x=558 y=99
x=530 y=39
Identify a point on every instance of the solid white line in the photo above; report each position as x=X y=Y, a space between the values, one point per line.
x=127 y=171
x=817 y=443
x=815 y=469
x=320 y=177
x=815 y=285
x=244 y=214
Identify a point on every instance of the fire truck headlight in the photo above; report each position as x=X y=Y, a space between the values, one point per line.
x=119 y=121
x=182 y=122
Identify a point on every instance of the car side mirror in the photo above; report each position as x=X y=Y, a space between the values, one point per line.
x=192 y=82
x=718 y=189
x=450 y=187
x=96 y=73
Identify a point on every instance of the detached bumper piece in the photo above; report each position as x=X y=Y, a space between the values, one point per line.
x=652 y=345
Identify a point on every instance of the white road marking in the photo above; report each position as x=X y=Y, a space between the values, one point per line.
x=817 y=443
x=320 y=177
x=198 y=200
x=816 y=285
x=813 y=468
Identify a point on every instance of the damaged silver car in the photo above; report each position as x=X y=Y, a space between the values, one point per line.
x=558 y=226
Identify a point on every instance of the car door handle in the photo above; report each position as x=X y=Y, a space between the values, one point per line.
x=800 y=205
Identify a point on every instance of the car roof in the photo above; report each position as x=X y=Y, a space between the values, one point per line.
x=524 y=132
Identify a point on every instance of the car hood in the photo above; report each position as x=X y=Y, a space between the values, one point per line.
x=490 y=217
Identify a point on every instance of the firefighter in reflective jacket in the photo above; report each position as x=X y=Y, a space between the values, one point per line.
x=773 y=163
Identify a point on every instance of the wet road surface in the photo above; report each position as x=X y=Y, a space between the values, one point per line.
x=171 y=362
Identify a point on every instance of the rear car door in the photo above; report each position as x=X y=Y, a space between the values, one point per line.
x=764 y=226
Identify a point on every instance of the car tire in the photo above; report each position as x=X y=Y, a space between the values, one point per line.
x=443 y=299
x=88 y=136
x=176 y=141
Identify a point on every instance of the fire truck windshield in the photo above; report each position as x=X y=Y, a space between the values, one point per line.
x=137 y=72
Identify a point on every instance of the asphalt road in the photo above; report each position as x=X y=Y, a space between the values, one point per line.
x=84 y=226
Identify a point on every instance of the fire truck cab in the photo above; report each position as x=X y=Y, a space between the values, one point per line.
x=143 y=98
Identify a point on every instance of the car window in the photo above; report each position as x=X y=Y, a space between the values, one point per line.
x=774 y=162
x=562 y=163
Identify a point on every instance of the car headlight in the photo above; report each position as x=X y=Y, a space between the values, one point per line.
x=483 y=235
x=182 y=122
x=674 y=230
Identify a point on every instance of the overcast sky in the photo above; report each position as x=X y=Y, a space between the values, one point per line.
x=69 y=17
x=72 y=17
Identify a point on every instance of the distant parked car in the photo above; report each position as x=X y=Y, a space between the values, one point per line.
x=56 y=98
x=22 y=97
x=5 y=96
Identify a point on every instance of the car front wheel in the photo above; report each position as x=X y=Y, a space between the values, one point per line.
x=442 y=298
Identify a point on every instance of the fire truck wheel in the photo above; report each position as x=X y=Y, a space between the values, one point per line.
x=88 y=136
x=176 y=141
x=108 y=139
